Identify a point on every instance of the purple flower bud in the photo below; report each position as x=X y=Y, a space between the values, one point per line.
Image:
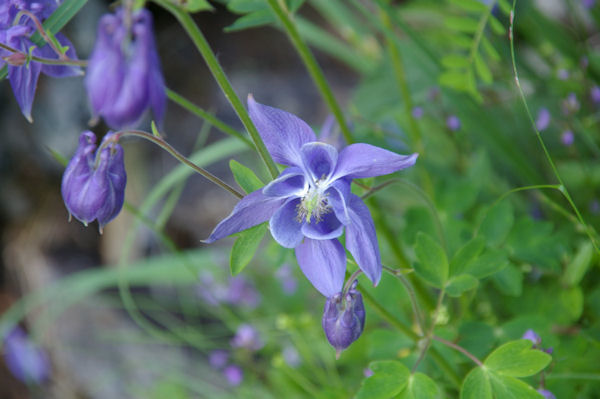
x=453 y=123
x=234 y=375
x=247 y=337
x=595 y=94
x=533 y=337
x=218 y=359
x=543 y=119
x=93 y=192
x=546 y=393
x=26 y=361
x=344 y=318
x=417 y=112
x=124 y=76
x=567 y=138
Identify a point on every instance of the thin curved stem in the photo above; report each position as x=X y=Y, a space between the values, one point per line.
x=47 y=61
x=458 y=348
x=411 y=294
x=311 y=64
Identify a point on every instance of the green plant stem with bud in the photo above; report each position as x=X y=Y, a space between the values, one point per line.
x=47 y=61
x=215 y=68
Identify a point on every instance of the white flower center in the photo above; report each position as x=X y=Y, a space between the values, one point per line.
x=314 y=203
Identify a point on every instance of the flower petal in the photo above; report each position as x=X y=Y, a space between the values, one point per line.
x=285 y=228
x=323 y=262
x=59 y=71
x=361 y=239
x=329 y=227
x=253 y=209
x=291 y=182
x=319 y=159
x=24 y=80
x=365 y=160
x=337 y=197
x=282 y=132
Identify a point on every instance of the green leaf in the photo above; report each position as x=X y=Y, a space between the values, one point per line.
x=245 y=177
x=465 y=255
x=388 y=380
x=517 y=359
x=455 y=61
x=482 y=69
x=459 y=284
x=489 y=49
x=470 y=5
x=577 y=268
x=252 y=20
x=497 y=223
x=246 y=6
x=433 y=264
x=504 y=6
x=506 y=387
x=491 y=262
x=454 y=80
x=509 y=280
x=476 y=385
x=245 y=247
x=420 y=386
x=461 y=24
x=195 y=5
x=496 y=25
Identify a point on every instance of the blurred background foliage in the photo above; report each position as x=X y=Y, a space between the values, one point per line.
x=145 y=310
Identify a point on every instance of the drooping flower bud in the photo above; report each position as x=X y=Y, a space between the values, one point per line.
x=124 y=76
x=344 y=318
x=95 y=192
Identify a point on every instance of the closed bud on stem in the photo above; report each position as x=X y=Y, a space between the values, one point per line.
x=16 y=59
x=95 y=190
x=344 y=318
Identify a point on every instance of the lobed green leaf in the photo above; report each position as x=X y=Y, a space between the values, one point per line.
x=517 y=359
x=433 y=264
x=388 y=380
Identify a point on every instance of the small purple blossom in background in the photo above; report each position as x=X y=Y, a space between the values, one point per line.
x=588 y=3
x=344 y=318
x=26 y=361
x=453 y=123
x=417 y=112
x=93 y=192
x=289 y=284
x=367 y=372
x=233 y=374
x=23 y=77
x=570 y=105
x=595 y=94
x=218 y=359
x=247 y=337
x=533 y=337
x=310 y=204
x=567 y=138
x=546 y=393
x=543 y=119
x=237 y=291
x=124 y=76
x=595 y=207
x=563 y=74
x=291 y=356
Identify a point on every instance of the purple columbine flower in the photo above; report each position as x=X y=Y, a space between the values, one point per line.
x=595 y=94
x=26 y=361
x=543 y=119
x=247 y=337
x=23 y=76
x=546 y=393
x=567 y=138
x=234 y=375
x=453 y=123
x=124 y=77
x=344 y=318
x=310 y=204
x=95 y=191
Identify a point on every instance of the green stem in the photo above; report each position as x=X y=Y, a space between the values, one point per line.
x=176 y=154
x=563 y=189
x=203 y=47
x=411 y=294
x=47 y=61
x=207 y=116
x=458 y=348
x=311 y=64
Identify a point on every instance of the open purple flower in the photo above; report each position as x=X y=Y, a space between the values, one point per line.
x=95 y=192
x=124 y=77
x=23 y=76
x=310 y=204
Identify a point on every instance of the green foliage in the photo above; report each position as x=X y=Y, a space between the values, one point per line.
x=255 y=13
x=517 y=359
x=433 y=264
x=245 y=177
x=389 y=378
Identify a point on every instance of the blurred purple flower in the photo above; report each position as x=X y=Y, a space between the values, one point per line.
x=23 y=77
x=233 y=374
x=595 y=94
x=330 y=133
x=218 y=359
x=291 y=356
x=563 y=74
x=26 y=361
x=247 y=337
x=344 y=318
x=417 y=112
x=543 y=119
x=95 y=192
x=567 y=138
x=310 y=204
x=570 y=105
x=546 y=393
x=241 y=292
x=595 y=206
x=453 y=123
x=533 y=337
x=588 y=3
x=367 y=372
x=289 y=284
x=124 y=76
